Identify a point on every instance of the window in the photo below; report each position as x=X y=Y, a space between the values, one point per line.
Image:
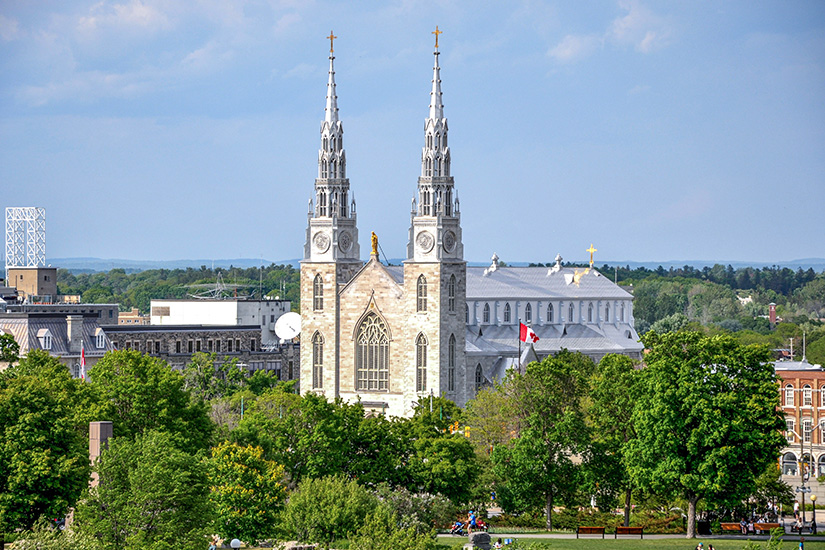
x=229 y=346
x=607 y=313
x=237 y=344
x=479 y=378
x=157 y=348
x=76 y=370
x=191 y=346
x=318 y=293
x=590 y=313
x=451 y=294
x=807 y=396
x=100 y=340
x=148 y=346
x=506 y=313
x=822 y=396
x=622 y=317
x=421 y=294
x=421 y=363
x=789 y=464
x=789 y=395
x=486 y=315
x=806 y=430
x=217 y=346
x=210 y=345
x=570 y=314
x=197 y=345
x=549 y=313
x=372 y=355
x=47 y=341
x=466 y=314
x=789 y=426
x=317 y=361
x=177 y=346
x=528 y=314
x=451 y=364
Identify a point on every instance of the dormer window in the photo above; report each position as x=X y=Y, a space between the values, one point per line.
x=100 y=338
x=45 y=338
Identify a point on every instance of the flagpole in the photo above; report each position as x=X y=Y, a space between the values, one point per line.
x=518 y=336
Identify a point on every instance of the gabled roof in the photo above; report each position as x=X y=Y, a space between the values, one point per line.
x=595 y=338
x=539 y=283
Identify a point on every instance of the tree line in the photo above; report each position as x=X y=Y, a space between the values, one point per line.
x=211 y=450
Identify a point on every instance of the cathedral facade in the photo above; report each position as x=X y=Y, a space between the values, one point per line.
x=391 y=336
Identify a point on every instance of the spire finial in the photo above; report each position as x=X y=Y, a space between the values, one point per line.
x=436 y=32
x=591 y=250
x=331 y=114
x=333 y=37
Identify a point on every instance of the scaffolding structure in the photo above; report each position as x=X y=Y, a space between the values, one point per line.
x=25 y=237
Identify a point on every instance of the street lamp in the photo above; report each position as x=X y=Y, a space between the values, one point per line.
x=813 y=515
x=805 y=472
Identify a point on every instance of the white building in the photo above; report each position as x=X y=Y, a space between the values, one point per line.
x=224 y=312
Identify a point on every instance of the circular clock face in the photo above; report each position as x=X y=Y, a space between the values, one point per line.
x=425 y=241
x=345 y=241
x=321 y=241
x=449 y=241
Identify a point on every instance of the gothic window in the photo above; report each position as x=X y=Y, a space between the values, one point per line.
x=332 y=170
x=429 y=141
x=506 y=313
x=317 y=361
x=486 y=315
x=590 y=313
x=549 y=313
x=324 y=169
x=528 y=314
x=372 y=355
x=789 y=395
x=607 y=313
x=451 y=294
x=622 y=317
x=479 y=378
x=344 y=204
x=451 y=364
x=570 y=314
x=318 y=293
x=807 y=397
x=322 y=203
x=326 y=143
x=421 y=363
x=421 y=294
x=448 y=202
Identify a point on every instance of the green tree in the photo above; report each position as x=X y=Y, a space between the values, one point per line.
x=382 y=530
x=9 y=349
x=537 y=465
x=445 y=464
x=150 y=496
x=143 y=393
x=247 y=492
x=613 y=395
x=327 y=509
x=707 y=419
x=44 y=460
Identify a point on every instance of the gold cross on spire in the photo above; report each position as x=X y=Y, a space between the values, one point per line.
x=436 y=32
x=591 y=250
x=331 y=38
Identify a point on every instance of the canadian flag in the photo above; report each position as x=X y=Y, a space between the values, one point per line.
x=526 y=334
x=82 y=361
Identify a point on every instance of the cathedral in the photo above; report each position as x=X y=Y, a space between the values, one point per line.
x=392 y=335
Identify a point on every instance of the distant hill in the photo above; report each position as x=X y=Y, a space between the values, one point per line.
x=81 y=265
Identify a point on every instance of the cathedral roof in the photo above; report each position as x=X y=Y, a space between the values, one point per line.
x=588 y=338
x=539 y=283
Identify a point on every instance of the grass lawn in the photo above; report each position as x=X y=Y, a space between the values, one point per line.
x=629 y=544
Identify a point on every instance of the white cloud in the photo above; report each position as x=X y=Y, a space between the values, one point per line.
x=208 y=58
x=639 y=27
x=9 y=29
x=574 y=47
x=135 y=14
x=286 y=22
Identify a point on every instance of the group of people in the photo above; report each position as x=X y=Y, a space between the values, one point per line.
x=473 y=523
x=701 y=546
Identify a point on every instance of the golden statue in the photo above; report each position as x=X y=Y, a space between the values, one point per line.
x=577 y=276
x=374 y=244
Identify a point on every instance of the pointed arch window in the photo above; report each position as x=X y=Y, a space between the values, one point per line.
x=570 y=313
x=451 y=364
x=372 y=355
x=322 y=200
x=421 y=363
x=506 y=313
x=607 y=312
x=318 y=293
x=485 y=317
x=479 y=378
x=317 y=361
x=549 y=313
x=421 y=294
x=528 y=314
x=324 y=169
x=590 y=312
x=326 y=143
x=451 y=294
x=622 y=317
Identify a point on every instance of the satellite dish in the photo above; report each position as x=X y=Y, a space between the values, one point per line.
x=288 y=326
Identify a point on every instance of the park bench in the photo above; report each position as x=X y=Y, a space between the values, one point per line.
x=620 y=530
x=765 y=527
x=731 y=527
x=589 y=530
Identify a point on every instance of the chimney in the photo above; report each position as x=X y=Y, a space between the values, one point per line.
x=772 y=313
x=74 y=331
x=99 y=434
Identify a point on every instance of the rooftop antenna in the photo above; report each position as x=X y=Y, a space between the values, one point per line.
x=804 y=358
x=791 y=349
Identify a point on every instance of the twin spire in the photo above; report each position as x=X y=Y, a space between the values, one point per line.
x=331 y=111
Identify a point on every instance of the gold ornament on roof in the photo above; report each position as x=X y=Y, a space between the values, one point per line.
x=436 y=32
x=591 y=250
x=374 y=239
x=579 y=274
x=331 y=38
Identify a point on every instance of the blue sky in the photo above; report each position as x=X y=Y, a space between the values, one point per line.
x=163 y=129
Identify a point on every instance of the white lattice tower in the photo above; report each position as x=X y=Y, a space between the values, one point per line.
x=25 y=237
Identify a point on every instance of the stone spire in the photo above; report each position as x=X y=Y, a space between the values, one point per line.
x=435 y=219
x=332 y=234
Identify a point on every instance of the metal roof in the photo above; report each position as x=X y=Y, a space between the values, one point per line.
x=539 y=283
